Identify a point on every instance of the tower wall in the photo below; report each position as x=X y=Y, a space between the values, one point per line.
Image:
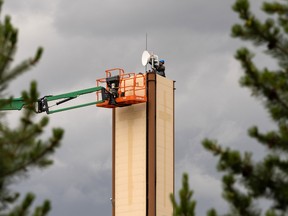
x=130 y=160
x=143 y=153
x=164 y=145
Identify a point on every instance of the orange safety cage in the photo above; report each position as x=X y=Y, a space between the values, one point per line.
x=131 y=88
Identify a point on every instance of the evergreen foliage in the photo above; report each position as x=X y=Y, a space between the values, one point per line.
x=246 y=181
x=186 y=205
x=21 y=148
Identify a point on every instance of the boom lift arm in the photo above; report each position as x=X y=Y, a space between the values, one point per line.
x=122 y=89
x=43 y=106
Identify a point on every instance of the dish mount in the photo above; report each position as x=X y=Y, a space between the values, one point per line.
x=149 y=58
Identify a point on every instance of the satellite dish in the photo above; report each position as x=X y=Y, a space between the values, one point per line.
x=145 y=57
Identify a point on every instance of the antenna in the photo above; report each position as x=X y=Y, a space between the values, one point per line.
x=149 y=57
x=143 y=52
x=146 y=41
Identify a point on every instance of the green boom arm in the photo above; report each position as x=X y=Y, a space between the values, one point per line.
x=18 y=103
x=12 y=104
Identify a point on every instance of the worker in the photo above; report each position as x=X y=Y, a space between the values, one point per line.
x=160 y=69
x=158 y=66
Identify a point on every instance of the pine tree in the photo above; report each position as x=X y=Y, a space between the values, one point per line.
x=21 y=148
x=246 y=181
x=267 y=178
x=186 y=207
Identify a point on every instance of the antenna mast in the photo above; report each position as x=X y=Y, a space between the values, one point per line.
x=146 y=41
x=146 y=49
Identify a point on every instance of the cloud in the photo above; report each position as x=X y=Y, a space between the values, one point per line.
x=26 y=7
x=129 y=18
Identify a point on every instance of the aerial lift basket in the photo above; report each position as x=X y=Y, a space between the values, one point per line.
x=123 y=89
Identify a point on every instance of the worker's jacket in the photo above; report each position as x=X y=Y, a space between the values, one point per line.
x=160 y=69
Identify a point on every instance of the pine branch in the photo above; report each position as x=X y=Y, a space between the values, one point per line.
x=254 y=80
x=21 y=68
x=43 y=210
x=23 y=208
x=37 y=157
x=260 y=33
x=186 y=207
x=21 y=148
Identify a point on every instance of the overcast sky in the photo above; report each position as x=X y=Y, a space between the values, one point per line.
x=84 y=38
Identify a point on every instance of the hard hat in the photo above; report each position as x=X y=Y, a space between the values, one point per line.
x=162 y=61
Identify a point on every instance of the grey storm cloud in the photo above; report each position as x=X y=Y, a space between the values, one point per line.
x=82 y=39
x=131 y=18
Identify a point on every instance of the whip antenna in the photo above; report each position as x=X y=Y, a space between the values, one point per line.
x=146 y=49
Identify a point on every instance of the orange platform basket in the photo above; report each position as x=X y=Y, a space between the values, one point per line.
x=125 y=88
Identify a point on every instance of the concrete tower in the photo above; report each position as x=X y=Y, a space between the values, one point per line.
x=143 y=153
